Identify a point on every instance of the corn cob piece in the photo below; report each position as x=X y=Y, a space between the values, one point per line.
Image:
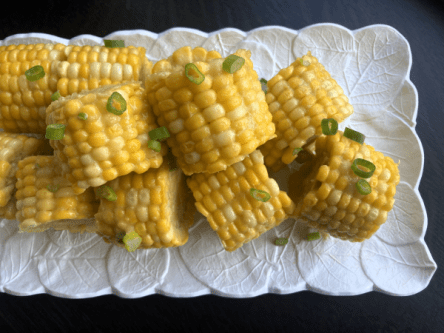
x=68 y=69
x=155 y=204
x=299 y=97
x=46 y=200
x=104 y=146
x=224 y=199
x=324 y=189
x=23 y=103
x=213 y=124
x=89 y=67
x=13 y=148
x=183 y=56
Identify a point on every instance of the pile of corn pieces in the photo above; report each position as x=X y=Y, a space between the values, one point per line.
x=100 y=133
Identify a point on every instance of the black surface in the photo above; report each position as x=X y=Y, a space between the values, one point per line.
x=420 y=22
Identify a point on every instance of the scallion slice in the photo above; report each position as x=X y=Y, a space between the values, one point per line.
x=296 y=151
x=154 y=145
x=313 y=236
x=359 y=162
x=354 y=135
x=263 y=81
x=363 y=187
x=82 y=115
x=329 y=126
x=159 y=134
x=55 y=96
x=55 y=131
x=260 y=195
x=233 y=63
x=264 y=85
x=53 y=188
x=116 y=104
x=193 y=74
x=35 y=73
x=281 y=241
x=132 y=241
x=114 y=43
x=107 y=193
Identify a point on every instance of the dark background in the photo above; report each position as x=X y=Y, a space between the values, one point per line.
x=420 y=22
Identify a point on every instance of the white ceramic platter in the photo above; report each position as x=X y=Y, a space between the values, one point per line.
x=372 y=65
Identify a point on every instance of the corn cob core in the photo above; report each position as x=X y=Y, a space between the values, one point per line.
x=68 y=69
x=183 y=56
x=224 y=199
x=326 y=195
x=13 y=148
x=299 y=97
x=39 y=208
x=216 y=123
x=104 y=146
x=155 y=204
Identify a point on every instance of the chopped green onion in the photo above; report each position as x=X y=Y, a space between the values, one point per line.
x=114 y=43
x=260 y=195
x=132 y=241
x=154 y=145
x=107 y=193
x=53 y=188
x=329 y=126
x=119 y=236
x=354 y=135
x=313 y=236
x=302 y=62
x=82 y=115
x=281 y=241
x=263 y=81
x=193 y=74
x=233 y=63
x=296 y=151
x=159 y=134
x=55 y=96
x=55 y=131
x=264 y=85
x=363 y=187
x=365 y=164
x=35 y=73
x=116 y=104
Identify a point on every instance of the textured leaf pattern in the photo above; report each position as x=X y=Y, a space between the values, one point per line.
x=402 y=270
x=372 y=66
x=136 y=273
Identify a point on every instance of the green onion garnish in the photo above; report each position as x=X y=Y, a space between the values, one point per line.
x=82 y=115
x=53 y=188
x=363 y=187
x=119 y=236
x=107 y=193
x=354 y=135
x=281 y=241
x=264 y=85
x=116 y=104
x=365 y=164
x=154 y=145
x=296 y=151
x=159 y=134
x=233 y=63
x=55 y=131
x=35 y=73
x=193 y=74
x=114 y=43
x=313 y=236
x=132 y=241
x=260 y=195
x=329 y=126
x=55 y=96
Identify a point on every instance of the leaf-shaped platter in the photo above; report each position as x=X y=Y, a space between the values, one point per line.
x=372 y=65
